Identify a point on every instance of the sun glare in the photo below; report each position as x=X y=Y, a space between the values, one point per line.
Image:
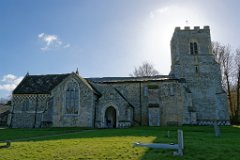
x=159 y=27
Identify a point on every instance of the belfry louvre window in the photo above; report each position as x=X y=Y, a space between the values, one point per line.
x=193 y=48
x=72 y=98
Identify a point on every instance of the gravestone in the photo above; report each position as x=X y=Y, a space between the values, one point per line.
x=179 y=147
x=216 y=129
x=168 y=134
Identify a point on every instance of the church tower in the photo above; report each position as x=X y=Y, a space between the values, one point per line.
x=193 y=61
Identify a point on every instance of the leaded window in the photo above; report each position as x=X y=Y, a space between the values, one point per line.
x=72 y=98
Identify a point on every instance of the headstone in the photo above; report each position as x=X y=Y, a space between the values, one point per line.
x=168 y=134
x=180 y=142
x=216 y=129
x=179 y=147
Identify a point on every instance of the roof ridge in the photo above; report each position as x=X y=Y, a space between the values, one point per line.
x=49 y=74
x=130 y=76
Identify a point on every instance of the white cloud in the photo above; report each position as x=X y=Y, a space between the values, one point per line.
x=9 y=77
x=51 y=42
x=153 y=14
x=40 y=35
x=9 y=82
x=7 y=87
x=161 y=10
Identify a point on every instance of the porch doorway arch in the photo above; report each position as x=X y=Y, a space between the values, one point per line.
x=110 y=117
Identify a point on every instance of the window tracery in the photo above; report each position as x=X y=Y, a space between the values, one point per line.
x=72 y=98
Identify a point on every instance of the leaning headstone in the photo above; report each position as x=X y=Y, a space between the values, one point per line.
x=216 y=129
x=180 y=144
x=179 y=147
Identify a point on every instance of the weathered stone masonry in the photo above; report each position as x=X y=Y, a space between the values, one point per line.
x=190 y=94
x=192 y=59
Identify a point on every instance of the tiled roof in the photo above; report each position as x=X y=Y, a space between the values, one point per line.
x=39 y=84
x=130 y=79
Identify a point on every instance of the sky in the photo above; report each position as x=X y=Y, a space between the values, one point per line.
x=101 y=37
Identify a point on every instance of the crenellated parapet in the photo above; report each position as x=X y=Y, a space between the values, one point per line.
x=195 y=28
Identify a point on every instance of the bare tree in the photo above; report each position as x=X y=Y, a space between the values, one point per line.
x=223 y=56
x=146 y=69
x=237 y=88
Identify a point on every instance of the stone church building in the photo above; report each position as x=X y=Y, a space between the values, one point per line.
x=191 y=94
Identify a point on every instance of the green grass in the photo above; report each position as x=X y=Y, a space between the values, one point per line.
x=74 y=143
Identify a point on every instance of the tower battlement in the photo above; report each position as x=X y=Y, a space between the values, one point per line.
x=182 y=40
x=195 y=28
x=195 y=32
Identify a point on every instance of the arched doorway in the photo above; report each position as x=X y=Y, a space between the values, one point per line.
x=110 y=117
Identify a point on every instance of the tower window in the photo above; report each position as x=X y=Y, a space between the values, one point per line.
x=193 y=48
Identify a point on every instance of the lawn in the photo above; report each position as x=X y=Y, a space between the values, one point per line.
x=78 y=143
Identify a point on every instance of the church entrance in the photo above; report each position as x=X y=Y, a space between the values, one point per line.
x=110 y=117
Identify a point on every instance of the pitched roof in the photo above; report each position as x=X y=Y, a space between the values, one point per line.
x=130 y=79
x=39 y=84
x=89 y=85
x=43 y=84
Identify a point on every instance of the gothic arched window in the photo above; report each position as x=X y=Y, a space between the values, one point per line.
x=193 y=48
x=72 y=98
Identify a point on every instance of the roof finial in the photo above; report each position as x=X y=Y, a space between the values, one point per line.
x=27 y=74
x=77 y=72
